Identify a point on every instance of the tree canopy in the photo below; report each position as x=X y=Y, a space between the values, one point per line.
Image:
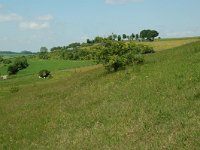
x=148 y=34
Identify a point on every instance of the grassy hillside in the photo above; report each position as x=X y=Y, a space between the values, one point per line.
x=151 y=106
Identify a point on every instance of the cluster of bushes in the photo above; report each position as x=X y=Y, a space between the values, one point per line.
x=115 y=55
x=18 y=64
x=4 y=61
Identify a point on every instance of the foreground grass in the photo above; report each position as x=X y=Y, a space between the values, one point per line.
x=152 y=106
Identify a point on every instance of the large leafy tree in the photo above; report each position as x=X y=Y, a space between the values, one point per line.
x=43 y=50
x=148 y=34
x=118 y=54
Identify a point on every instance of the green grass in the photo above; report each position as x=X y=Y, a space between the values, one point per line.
x=150 y=106
x=35 y=65
x=29 y=76
x=13 y=55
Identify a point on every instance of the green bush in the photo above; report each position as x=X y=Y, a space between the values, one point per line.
x=43 y=55
x=44 y=73
x=1 y=59
x=146 y=49
x=19 y=64
x=7 y=61
x=12 y=69
x=115 y=55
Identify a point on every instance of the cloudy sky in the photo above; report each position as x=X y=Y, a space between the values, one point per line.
x=30 y=24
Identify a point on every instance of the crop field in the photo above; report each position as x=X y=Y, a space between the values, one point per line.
x=164 y=44
x=150 y=106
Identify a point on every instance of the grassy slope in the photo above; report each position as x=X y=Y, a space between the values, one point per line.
x=153 y=106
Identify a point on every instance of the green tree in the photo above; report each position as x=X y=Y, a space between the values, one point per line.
x=98 y=39
x=154 y=34
x=114 y=36
x=132 y=36
x=115 y=55
x=124 y=36
x=137 y=36
x=119 y=38
x=148 y=34
x=43 y=50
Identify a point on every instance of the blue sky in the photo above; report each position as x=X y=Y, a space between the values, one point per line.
x=30 y=24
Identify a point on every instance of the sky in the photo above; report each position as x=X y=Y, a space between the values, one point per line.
x=31 y=24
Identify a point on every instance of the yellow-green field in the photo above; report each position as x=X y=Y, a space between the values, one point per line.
x=164 y=44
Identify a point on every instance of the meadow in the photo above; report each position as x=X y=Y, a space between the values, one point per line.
x=163 y=44
x=150 y=106
x=6 y=55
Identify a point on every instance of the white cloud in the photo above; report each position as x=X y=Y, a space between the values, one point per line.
x=34 y=25
x=45 y=18
x=120 y=1
x=1 y=6
x=10 y=17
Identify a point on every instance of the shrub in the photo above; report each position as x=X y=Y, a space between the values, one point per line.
x=19 y=64
x=12 y=69
x=146 y=49
x=43 y=55
x=44 y=74
x=7 y=61
x=1 y=59
x=115 y=55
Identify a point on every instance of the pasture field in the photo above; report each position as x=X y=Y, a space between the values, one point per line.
x=29 y=76
x=150 y=106
x=35 y=65
x=164 y=44
x=13 y=55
